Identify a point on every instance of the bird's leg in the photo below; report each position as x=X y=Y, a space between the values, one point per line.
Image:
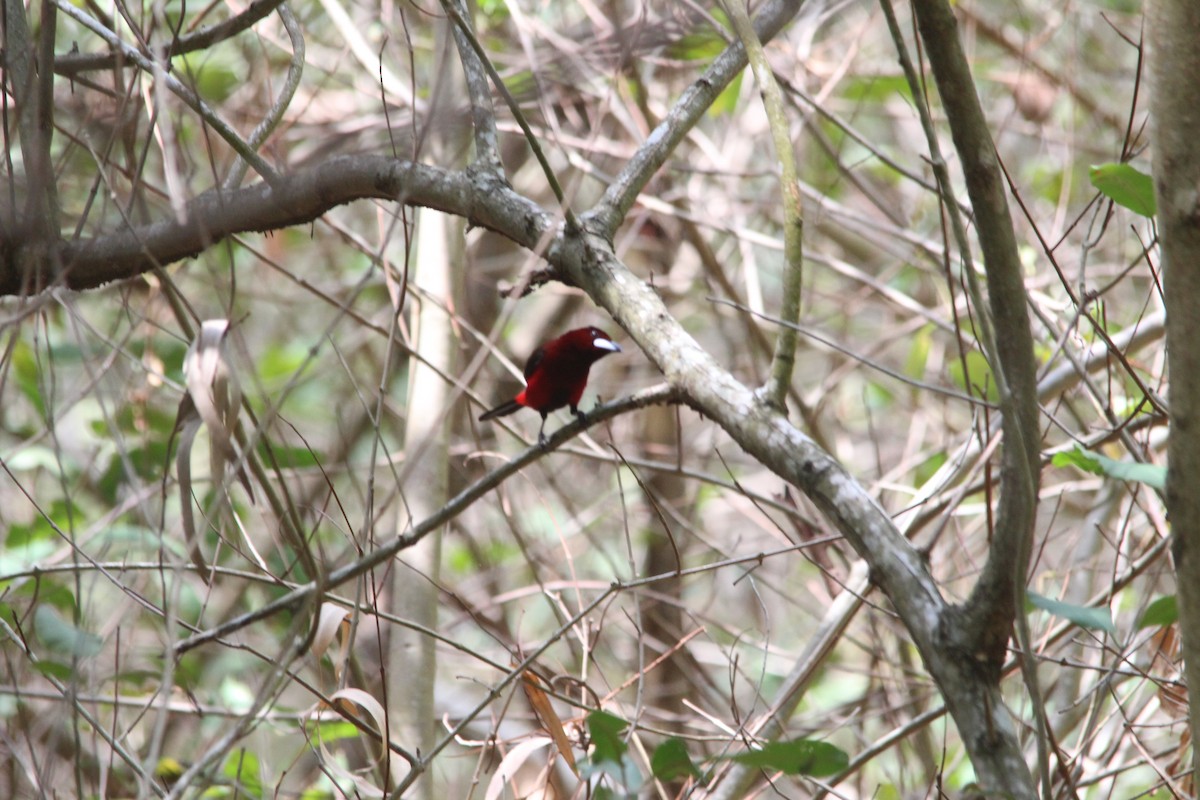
x=542 y=433
x=582 y=417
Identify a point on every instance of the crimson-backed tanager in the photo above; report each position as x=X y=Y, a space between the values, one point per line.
x=556 y=374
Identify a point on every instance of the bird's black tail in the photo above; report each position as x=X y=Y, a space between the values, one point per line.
x=502 y=410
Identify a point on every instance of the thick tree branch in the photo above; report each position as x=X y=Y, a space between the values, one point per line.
x=483 y=115
x=274 y=115
x=463 y=31
x=784 y=359
x=971 y=692
x=981 y=628
x=294 y=199
x=588 y=261
x=993 y=605
x=1175 y=108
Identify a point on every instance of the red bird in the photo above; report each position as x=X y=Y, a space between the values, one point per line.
x=557 y=373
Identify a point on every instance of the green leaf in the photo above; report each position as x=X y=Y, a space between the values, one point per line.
x=1078 y=457
x=918 y=353
x=494 y=10
x=1126 y=186
x=33 y=457
x=1149 y=474
x=671 y=761
x=26 y=369
x=330 y=732
x=726 y=102
x=606 y=730
x=797 y=757
x=63 y=637
x=979 y=373
x=878 y=396
x=1083 y=616
x=243 y=769
x=25 y=545
x=146 y=462
x=876 y=90
x=54 y=669
x=1163 y=611
x=286 y=456
x=214 y=75
x=929 y=467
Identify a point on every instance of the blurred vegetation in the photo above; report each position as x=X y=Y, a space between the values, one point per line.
x=98 y=581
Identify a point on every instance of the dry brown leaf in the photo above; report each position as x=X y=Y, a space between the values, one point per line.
x=542 y=707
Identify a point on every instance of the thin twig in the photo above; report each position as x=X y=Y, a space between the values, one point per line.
x=783 y=361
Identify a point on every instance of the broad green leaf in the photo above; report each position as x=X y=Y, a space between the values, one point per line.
x=1126 y=186
x=1163 y=611
x=26 y=369
x=929 y=467
x=878 y=396
x=726 y=102
x=54 y=669
x=1083 y=616
x=918 y=353
x=47 y=591
x=700 y=46
x=797 y=757
x=330 y=732
x=33 y=457
x=887 y=791
x=215 y=75
x=979 y=373
x=287 y=457
x=25 y=545
x=671 y=761
x=1149 y=474
x=494 y=10
x=876 y=90
x=242 y=768
x=278 y=365
x=1078 y=457
x=63 y=637
x=606 y=730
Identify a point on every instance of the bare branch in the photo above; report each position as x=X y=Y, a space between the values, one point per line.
x=294 y=199
x=1175 y=104
x=654 y=395
x=662 y=141
x=273 y=116
x=487 y=148
x=783 y=360
x=73 y=64
x=993 y=602
x=972 y=694
x=189 y=97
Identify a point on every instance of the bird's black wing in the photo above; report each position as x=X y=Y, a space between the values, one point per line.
x=532 y=364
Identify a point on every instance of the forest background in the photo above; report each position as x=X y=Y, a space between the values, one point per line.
x=872 y=504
